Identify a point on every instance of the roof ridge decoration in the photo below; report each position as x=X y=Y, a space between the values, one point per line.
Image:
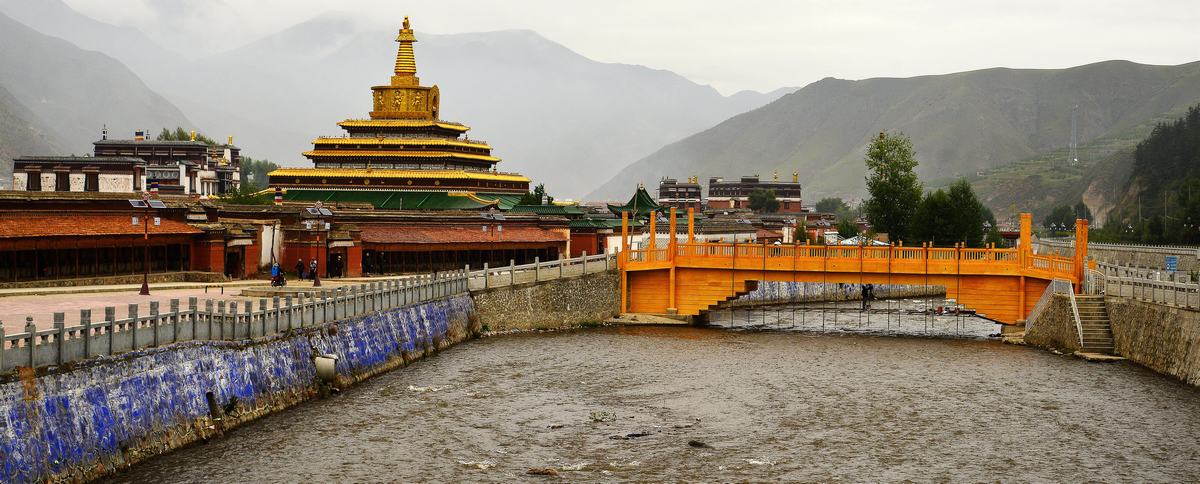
x=406 y=61
x=405 y=97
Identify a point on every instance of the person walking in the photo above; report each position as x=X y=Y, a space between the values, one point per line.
x=312 y=269
x=299 y=269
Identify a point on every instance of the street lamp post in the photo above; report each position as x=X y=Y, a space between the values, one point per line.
x=320 y=211
x=147 y=203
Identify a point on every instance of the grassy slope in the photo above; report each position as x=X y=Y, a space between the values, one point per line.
x=962 y=124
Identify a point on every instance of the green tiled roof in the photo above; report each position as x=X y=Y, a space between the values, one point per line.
x=564 y=210
x=395 y=200
x=640 y=204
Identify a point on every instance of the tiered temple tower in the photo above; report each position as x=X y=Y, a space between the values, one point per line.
x=404 y=156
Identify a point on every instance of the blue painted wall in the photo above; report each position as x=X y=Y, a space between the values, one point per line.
x=63 y=423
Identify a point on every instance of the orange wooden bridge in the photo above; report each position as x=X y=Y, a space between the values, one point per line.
x=689 y=278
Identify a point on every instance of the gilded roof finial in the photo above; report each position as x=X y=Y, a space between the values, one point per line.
x=406 y=62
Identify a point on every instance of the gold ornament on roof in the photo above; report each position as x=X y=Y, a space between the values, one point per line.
x=404 y=97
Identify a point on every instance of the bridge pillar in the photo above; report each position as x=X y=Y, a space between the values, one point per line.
x=1081 y=247
x=672 y=225
x=624 y=261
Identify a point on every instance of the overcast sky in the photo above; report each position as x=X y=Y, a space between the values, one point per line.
x=734 y=45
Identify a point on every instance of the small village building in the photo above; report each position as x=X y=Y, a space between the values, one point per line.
x=681 y=195
x=736 y=194
x=133 y=165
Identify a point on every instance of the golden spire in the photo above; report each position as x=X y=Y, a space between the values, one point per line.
x=406 y=62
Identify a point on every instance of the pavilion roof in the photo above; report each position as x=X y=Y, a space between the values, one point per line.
x=640 y=204
x=393 y=173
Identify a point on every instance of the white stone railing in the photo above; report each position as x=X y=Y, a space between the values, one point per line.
x=490 y=277
x=219 y=321
x=1169 y=288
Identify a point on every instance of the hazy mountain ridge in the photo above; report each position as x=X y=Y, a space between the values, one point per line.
x=75 y=92
x=960 y=123
x=550 y=113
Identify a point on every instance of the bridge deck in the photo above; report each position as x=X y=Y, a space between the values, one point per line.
x=691 y=277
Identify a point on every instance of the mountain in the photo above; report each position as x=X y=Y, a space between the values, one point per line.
x=21 y=133
x=961 y=124
x=550 y=113
x=73 y=93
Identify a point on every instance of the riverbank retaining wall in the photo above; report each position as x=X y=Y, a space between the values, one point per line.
x=83 y=421
x=775 y=292
x=1055 y=327
x=1163 y=338
x=556 y=303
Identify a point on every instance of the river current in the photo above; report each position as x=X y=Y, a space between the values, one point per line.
x=757 y=396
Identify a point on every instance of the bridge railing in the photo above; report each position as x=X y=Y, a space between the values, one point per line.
x=235 y=320
x=1173 y=289
x=490 y=277
x=908 y=259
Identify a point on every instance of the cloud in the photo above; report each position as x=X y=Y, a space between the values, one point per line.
x=751 y=44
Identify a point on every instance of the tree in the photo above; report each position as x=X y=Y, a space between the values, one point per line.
x=933 y=219
x=831 y=205
x=180 y=135
x=967 y=214
x=763 y=200
x=1060 y=216
x=846 y=228
x=892 y=184
x=244 y=195
x=1082 y=211
x=535 y=197
x=259 y=170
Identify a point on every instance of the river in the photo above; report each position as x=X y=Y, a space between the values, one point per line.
x=855 y=402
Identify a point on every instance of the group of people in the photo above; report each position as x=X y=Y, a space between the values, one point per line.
x=302 y=272
x=309 y=272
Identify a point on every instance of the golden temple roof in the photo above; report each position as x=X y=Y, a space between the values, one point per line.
x=389 y=173
x=399 y=154
x=402 y=123
x=399 y=141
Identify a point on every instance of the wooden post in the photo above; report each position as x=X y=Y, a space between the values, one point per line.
x=671 y=225
x=691 y=225
x=652 y=244
x=624 y=261
x=1081 y=248
x=1025 y=243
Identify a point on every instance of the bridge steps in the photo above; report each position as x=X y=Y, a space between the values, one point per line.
x=1093 y=320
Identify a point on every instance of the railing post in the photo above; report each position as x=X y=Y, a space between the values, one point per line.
x=133 y=326
x=110 y=319
x=220 y=321
x=275 y=316
x=192 y=315
x=485 y=275
x=85 y=319
x=154 y=321
x=31 y=331
x=60 y=333
x=175 y=320
x=233 y=313
x=584 y=273
x=512 y=272
x=537 y=269
x=291 y=311
x=262 y=314
x=250 y=319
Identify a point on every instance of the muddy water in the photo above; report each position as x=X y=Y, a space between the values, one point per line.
x=719 y=404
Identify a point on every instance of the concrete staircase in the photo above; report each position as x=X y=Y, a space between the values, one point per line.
x=1093 y=319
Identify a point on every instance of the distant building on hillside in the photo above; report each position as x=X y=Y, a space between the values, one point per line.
x=131 y=165
x=736 y=194
x=672 y=193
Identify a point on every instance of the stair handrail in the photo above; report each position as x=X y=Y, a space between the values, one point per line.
x=1075 y=313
